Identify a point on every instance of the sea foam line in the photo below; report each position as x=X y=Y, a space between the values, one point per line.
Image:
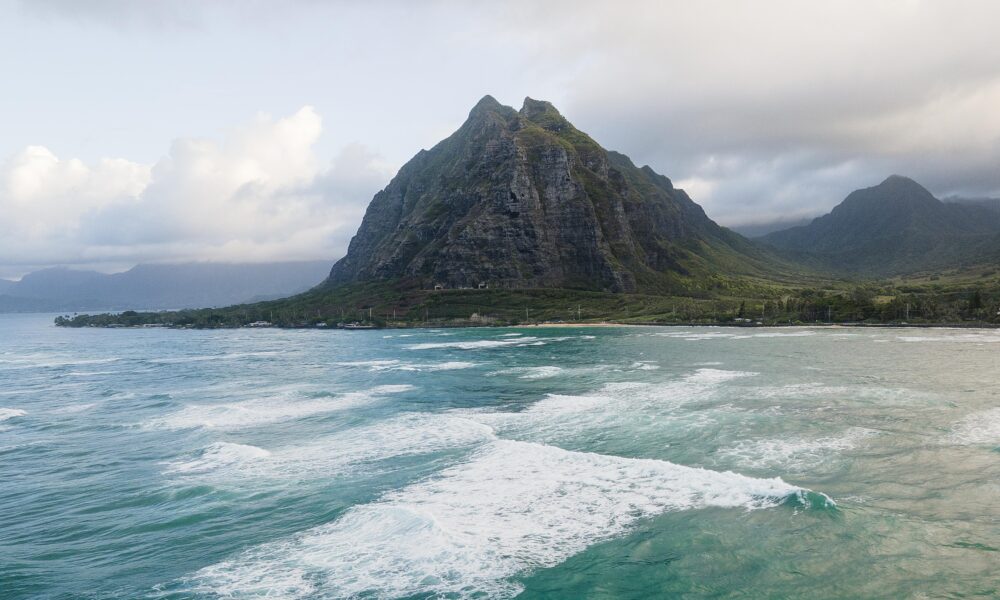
x=398 y=365
x=502 y=342
x=10 y=413
x=262 y=411
x=513 y=508
x=795 y=452
x=411 y=434
x=979 y=428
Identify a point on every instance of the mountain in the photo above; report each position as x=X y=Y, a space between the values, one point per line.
x=523 y=199
x=895 y=227
x=756 y=230
x=990 y=203
x=159 y=286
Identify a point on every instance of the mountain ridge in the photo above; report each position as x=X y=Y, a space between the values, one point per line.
x=895 y=227
x=181 y=285
x=522 y=198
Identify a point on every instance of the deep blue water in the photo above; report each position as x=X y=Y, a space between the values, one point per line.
x=490 y=463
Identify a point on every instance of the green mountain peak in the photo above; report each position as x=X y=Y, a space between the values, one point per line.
x=524 y=199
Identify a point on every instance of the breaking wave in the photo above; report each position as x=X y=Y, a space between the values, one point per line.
x=10 y=413
x=407 y=435
x=977 y=429
x=251 y=413
x=515 y=507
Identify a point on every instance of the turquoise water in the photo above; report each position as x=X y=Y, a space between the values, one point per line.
x=492 y=463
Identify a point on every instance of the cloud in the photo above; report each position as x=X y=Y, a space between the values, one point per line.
x=765 y=109
x=258 y=194
x=777 y=108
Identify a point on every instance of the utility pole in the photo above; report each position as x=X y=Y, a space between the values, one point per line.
x=525 y=314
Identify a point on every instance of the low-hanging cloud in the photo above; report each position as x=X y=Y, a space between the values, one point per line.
x=259 y=194
x=764 y=110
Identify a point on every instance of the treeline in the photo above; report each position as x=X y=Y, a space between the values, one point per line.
x=385 y=307
x=872 y=304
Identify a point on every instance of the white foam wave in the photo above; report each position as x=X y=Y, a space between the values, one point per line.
x=90 y=373
x=794 y=452
x=644 y=409
x=949 y=336
x=713 y=376
x=451 y=366
x=735 y=334
x=474 y=344
x=43 y=361
x=405 y=435
x=398 y=365
x=219 y=455
x=695 y=335
x=374 y=364
x=11 y=413
x=542 y=372
x=977 y=429
x=74 y=408
x=644 y=365
x=514 y=508
x=212 y=357
x=838 y=393
x=549 y=371
x=775 y=334
x=252 y=413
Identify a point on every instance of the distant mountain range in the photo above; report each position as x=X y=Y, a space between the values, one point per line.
x=894 y=228
x=159 y=286
x=756 y=230
x=523 y=199
x=990 y=203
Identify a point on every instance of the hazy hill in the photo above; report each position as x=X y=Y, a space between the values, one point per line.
x=756 y=230
x=159 y=286
x=990 y=203
x=521 y=198
x=896 y=227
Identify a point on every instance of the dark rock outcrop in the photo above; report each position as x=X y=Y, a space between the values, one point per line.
x=524 y=199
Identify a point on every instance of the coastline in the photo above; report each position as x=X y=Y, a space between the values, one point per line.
x=564 y=324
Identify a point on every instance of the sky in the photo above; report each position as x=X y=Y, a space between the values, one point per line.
x=249 y=131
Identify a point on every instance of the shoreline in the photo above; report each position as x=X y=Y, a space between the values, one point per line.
x=557 y=325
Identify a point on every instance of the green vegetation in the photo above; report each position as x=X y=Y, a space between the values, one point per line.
x=957 y=301
x=896 y=227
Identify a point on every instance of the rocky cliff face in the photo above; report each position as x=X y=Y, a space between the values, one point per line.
x=524 y=199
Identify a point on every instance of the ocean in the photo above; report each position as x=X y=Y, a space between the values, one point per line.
x=562 y=462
